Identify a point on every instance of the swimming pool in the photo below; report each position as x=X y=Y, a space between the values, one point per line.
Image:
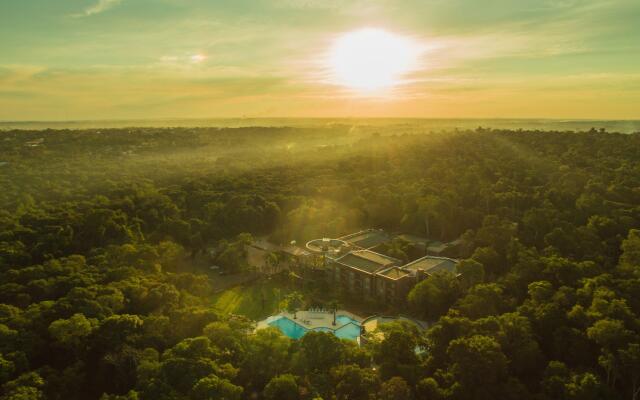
x=349 y=329
x=289 y=327
x=343 y=319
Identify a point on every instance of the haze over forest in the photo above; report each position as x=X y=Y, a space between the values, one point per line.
x=408 y=125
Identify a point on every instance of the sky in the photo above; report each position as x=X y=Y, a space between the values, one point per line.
x=133 y=59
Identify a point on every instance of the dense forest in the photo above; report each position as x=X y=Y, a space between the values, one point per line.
x=98 y=299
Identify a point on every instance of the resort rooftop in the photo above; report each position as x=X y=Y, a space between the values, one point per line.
x=295 y=251
x=367 y=239
x=367 y=261
x=431 y=264
x=394 y=273
x=326 y=245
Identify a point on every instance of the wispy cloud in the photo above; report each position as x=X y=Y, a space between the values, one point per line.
x=100 y=6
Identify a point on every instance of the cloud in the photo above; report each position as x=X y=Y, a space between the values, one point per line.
x=310 y=4
x=107 y=92
x=185 y=59
x=134 y=92
x=100 y=6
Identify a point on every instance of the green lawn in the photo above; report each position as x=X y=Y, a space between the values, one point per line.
x=260 y=299
x=256 y=301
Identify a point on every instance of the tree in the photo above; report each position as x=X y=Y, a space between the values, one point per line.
x=477 y=363
x=132 y=395
x=72 y=332
x=394 y=389
x=353 y=383
x=320 y=351
x=630 y=257
x=233 y=255
x=432 y=297
x=272 y=259
x=496 y=233
x=7 y=368
x=556 y=376
x=215 y=388
x=430 y=207
x=266 y=347
x=610 y=335
x=397 y=248
x=117 y=330
x=482 y=300
x=630 y=360
x=396 y=353
x=292 y=303
x=517 y=341
x=491 y=261
x=333 y=305
x=440 y=334
x=27 y=386
x=428 y=388
x=471 y=271
x=226 y=338
x=584 y=387
x=282 y=387
x=187 y=363
x=540 y=291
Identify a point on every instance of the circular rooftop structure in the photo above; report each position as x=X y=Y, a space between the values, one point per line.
x=326 y=245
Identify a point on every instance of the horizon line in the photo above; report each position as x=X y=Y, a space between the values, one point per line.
x=320 y=118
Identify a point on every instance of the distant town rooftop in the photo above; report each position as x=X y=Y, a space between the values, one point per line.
x=367 y=239
x=367 y=261
x=431 y=264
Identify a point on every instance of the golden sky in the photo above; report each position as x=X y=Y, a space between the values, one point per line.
x=130 y=59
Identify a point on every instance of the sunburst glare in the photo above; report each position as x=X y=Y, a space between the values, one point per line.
x=372 y=59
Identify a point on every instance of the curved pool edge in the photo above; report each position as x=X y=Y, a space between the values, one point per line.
x=349 y=330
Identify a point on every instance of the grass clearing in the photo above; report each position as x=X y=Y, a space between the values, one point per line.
x=257 y=300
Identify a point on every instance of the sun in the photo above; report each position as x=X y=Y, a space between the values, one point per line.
x=372 y=59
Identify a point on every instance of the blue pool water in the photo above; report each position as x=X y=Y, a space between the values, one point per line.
x=350 y=331
x=289 y=328
x=343 y=319
x=350 y=328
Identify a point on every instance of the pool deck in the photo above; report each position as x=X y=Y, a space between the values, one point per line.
x=311 y=319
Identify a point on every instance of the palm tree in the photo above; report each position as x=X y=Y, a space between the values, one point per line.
x=272 y=260
x=334 y=304
x=293 y=278
x=292 y=302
